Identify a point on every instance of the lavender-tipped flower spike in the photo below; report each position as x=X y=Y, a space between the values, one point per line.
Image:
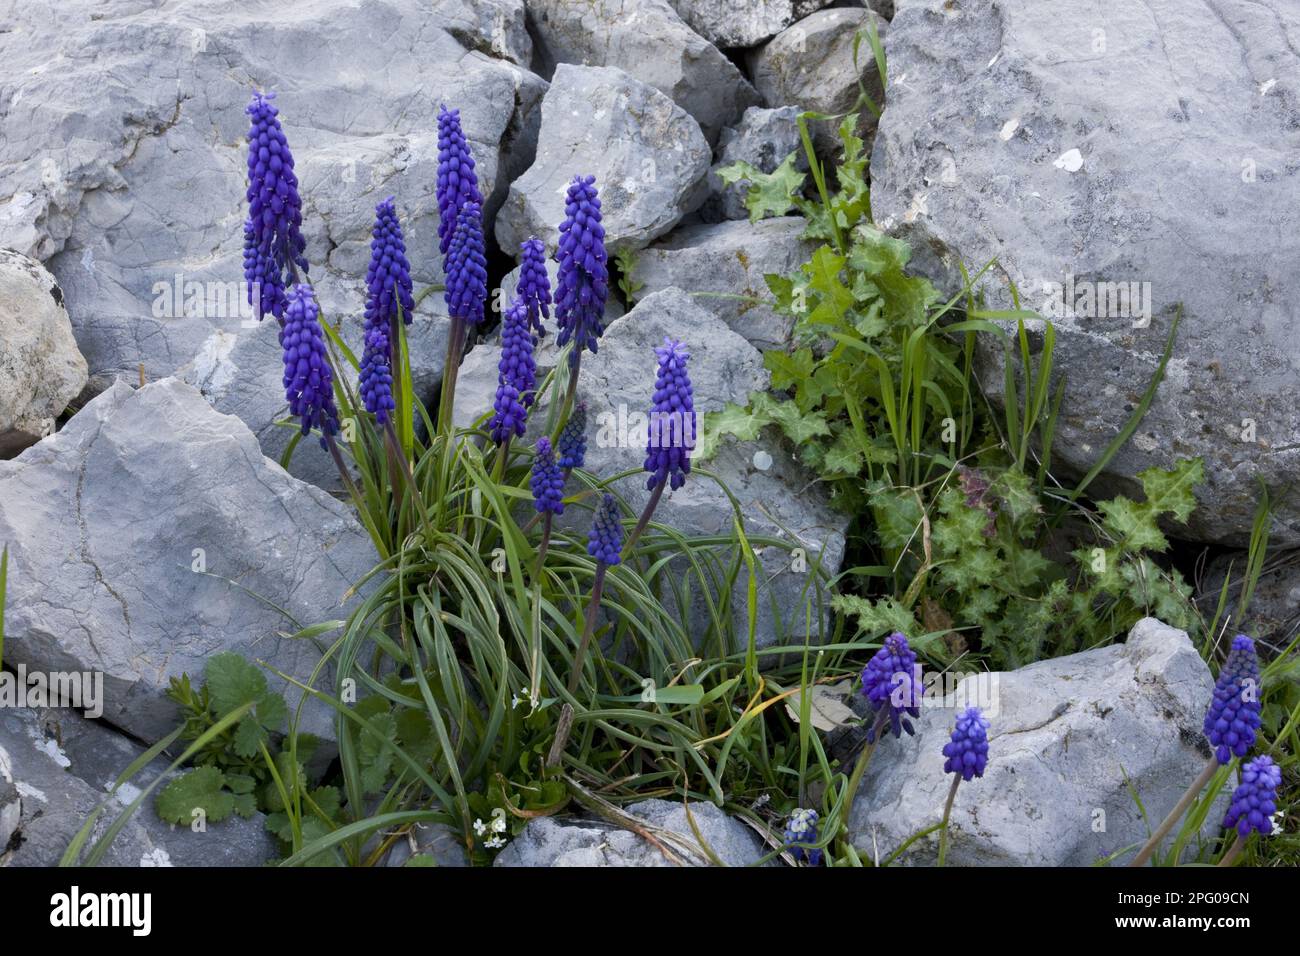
x=388 y=277
x=1233 y=715
x=605 y=540
x=801 y=828
x=889 y=683
x=534 y=284
x=573 y=438
x=547 y=480
x=457 y=181
x=516 y=376
x=672 y=419
x=1255 y=800
x=308 y=381
x=967 y=751
x=377 y=374
x=274 y=246
x=583 y=282
x=467 y=266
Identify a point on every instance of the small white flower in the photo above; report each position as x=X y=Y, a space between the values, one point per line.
x=1277 y=823
x=480 y=827
x=499 y=824
x=495 y=843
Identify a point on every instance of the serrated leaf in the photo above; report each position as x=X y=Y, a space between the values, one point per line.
x=233 y=682
x=773 y=193
x=745 y=423
x=199 y=789
x=1170 y=492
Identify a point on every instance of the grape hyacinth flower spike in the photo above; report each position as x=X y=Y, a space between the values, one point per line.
x=457 y=181
x=604 y=542
x=582 y=280
x=890 y=684
x=516 y=377
x=671 y=435
x=1231 y=721
x=573 y=439
x=388 y=294
x=534 y=284
x=1234 y=712
x=547 y=485
x=800 y=833
x=966 y=755
x=274 y=246
x=308 y=381
x=1253 y=805
x=466 y=292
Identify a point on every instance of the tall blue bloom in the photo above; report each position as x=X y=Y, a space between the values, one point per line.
x=377 y=374
x=573 y=438
x=605 y=540
x=467 y=266
x=672 y=419
x=583 y=281
x=968 y=749
x=890 y=685
x=516 y=375
x=308 y=382
x=273 y=241
x=546 y=480
x=388 y=277
x=1255 y=799
x=1233 y=715
x=801 y=828
x=534 y=284
x=457 y=181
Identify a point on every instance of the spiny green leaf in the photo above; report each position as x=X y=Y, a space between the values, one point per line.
x=773 y=193
x=200 y=789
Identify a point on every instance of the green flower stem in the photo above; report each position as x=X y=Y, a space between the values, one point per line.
x=1176 y=813
x=645 y=517
x=588 y=626
x=563 y=418
x=333 y=448
x=947 y=813
x=455 y=351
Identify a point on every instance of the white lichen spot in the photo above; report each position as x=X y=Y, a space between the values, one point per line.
x=27 y=790
x=920 y=206
x=88 y=260
x=126 y=794
x=1009 y=128
x=1071 y=161
x=156 y=857
x=996 y=57
x=212 y=370
x=629 y=185
x=1266 y=86
x=762 y=460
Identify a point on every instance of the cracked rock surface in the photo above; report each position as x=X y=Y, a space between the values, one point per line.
x=1009 y=135
x=587 y=842
x=1067 y=739
x=107 y=522
x=56 y=767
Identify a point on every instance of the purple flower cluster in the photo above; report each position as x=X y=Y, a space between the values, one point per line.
x=388 y=277
x=582 y=286
x=800 y=831
x=547 y=480
x=308 y=382
x=1233 y=715
x=573 y=438
x=377 y=374
x=605 y=540
x=534 y=284
x=968 y=749
x=273 y=243
x=457 y=182
x=516 y=375
x=1255 y=800
x=890 y=686
x=672 y=419
x=466 y=266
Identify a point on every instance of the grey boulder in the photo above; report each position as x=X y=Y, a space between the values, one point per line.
x=775 y=496
x=743 y=23
x=723 y=266
x=41 y=369
x=150 y=534
x=648 y=40
x=497 y=28
x=1008 y=136
x=585 y=842
x=59 y=767
x=128 y=180
x=811 y=65
x=1068 y=738
x=647 y=154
